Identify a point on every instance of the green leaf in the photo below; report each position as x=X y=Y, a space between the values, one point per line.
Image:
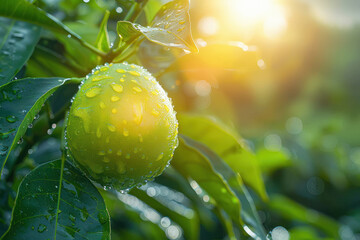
x=151 y=8
x=25 y=11
x=227 y=145
x=20 y=101
x=102 y=40
x=174 y=32
x=271 y=160
x=55 y=201
x=193 y=165
x=174 y=18
x=17 y=43
x=248 y=213
x=185 y=217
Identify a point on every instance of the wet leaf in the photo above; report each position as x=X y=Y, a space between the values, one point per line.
x=193 y=165
x=227 y=145
x=170 y=28
x=55 y=201
x=25 y=11
x=20 y=101
x=174 y=18
x=167 y=206
x=17 y=42
x=248 y=214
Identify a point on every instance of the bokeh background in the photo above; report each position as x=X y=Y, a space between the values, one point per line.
x=286 y=75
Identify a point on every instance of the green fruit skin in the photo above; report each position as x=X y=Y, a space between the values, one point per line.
x=122 y=128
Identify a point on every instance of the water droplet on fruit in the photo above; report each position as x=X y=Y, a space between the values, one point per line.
x=115 y=98
x=137 y=89
x=161 y=155
x=117 y=87
x=138 y=112
x=111 y=127
x=93 y=92
x=102 y=105
x=134 y=73
x=155 y=113
x=120 y=70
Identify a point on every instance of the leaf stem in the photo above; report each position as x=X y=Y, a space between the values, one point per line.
x=131 y=12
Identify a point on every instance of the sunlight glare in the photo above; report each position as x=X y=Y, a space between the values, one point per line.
x=275 y=23
x=250 y=11
x=247 y=14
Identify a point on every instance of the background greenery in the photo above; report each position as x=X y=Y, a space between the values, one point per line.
x=282 y=74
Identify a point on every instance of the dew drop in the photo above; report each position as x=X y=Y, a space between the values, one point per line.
x=122 y=80
x=120 y=70
x=92 y=92
x=11 y=119
x=154 y=93
x=155 y=113
x=119 y=153
x=106 y=160
x=117 y=87
x=132 y=66
x=84 y=214
x=103 y=69
x=111 y=127
x=137 y=89
x=161 y=155
x=41 y=228
x=134 y=73
x=102 y=105
x=138 y=112
x=114 y=110
x=99 y=78
x=127 y=156
x=72 y=218
x=115 y=98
